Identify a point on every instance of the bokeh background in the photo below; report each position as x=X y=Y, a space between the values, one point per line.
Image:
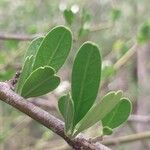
x=122 y=30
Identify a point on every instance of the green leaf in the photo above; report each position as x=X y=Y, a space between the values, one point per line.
x=107 y=131
x=33 y=47
x=65 y=105
x=115 y=14
x=69 y=16
x=28 y=62
x=118 y=115
x=100 y=110
x=54 y=48
x=26 y=70
x=40 y=82
x=85 y=79
x=144 y=32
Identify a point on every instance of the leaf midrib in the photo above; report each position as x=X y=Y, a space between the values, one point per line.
x=56 y=47
x=39 y=85
x=84 y=77
x=67 y=111
x=113 y=114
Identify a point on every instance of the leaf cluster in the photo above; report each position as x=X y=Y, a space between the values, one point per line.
x=79 y=108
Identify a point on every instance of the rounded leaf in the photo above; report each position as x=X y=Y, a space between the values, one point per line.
x=107 y=131
x=40 y=82
x=118 y=115
x=86 y=75
x=54 y=49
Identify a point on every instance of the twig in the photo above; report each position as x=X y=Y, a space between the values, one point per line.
x=126 y=57
x=96 y=139
x=127 y=139
x=100 y=27
x=139 y=118
x=14 y=80
x=6 y=36
x=17 y=37
x=10 y=97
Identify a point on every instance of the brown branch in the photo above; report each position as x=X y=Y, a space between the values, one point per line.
x=100 y=27
x=139 y=118
x=127 y=139
x=6 y=36
x=10 y=97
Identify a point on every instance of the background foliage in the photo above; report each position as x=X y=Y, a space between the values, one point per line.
x=114 y=25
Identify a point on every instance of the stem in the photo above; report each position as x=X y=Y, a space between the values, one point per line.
x=127 y=139
x=125 y=58
x=57 y=126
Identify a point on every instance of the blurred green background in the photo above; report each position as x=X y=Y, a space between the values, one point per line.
x=120 y=27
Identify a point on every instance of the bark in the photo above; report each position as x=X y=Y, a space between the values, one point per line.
x=41 y=116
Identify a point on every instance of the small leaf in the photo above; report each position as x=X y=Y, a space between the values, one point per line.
x=69 y=16
x=40 y=82
x=144 y=32
x=65 y=105
x=100 y=110
x=54 y=48
x=34 y=46
x=85 y=79
x=28 y=62
x=115 y=14
x=107 y=131
x=118 y=115
x=27 y=68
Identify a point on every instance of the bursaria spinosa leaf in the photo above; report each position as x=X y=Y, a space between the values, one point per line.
x=54 y=48
x=28 y=62
x=100 y=109
x=69 y=16
x=40 y=82
x=118 y=115
x=26 y=70
x=107 y=131
x=33 y=47
x=86 y=75
x=65 y=105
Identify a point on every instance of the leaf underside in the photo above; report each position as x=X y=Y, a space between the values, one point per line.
x=118 y=115
x=65 y=105
x=99 y=110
